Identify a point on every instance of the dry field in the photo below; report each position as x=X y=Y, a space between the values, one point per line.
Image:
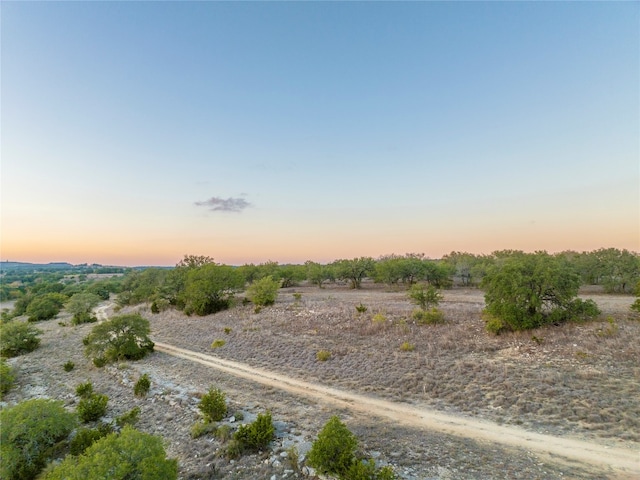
x=576 y=381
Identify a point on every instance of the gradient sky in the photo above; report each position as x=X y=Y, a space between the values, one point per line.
x=135 y=133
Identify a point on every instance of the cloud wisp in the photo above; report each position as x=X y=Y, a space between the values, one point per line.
x=217 y=204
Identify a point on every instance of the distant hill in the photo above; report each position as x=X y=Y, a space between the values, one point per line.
x=9 y=266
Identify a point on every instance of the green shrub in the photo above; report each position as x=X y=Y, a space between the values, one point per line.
x=361 y=308
x=199 y=429
x=407 y=347
x=80 y=305
x=323 y=355
x=379 y=318
x=213 y=405
x=333 y=451
x=17 y=338
x=425 y=296
x=68 y=366
x=29 y=432
x=85 y=437
x=7 y=377
x=122 y=337
x=263 y=292
x=83 y=317
x=129 y=418
x=130 y=454
x=217 y=343
x=84 y=390
x=227 y=330
x=142 y=386
x=100 y=362
x=92 y=407
x=256 y=435
x=45 y=307
x=428 y=317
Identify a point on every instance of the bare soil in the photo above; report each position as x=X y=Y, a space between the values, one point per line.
x=578 y=382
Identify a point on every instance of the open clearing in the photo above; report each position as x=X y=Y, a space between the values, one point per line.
x=575 y=388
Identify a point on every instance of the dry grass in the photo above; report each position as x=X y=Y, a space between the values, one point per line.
x=574 y=379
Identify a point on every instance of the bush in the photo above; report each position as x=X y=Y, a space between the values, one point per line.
x=84 y=390
x=80 y=306
x=217 y=343
x=199 y=429
x=7 y=377
x=45 y=307
x=263 y=292
x=85 y=437
x=129 y=418
x=122 y=337
x=17 y=338
x=142 y=386
x=29 y=432
x=361 y=308
x=428 y=317
x=333 y=451
x=407 y=347
x=84 y=317
x=213 y=405
x=425 y=296
x=92 y=407
x=257 y=434
x=68 y=366
x=323 y=355
x=130 y=454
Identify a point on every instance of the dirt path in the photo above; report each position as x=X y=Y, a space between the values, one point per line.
x=625 y=463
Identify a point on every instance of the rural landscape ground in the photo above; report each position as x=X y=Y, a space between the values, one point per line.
x=572 y=383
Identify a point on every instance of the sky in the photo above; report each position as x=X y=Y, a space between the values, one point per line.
x=134 y=133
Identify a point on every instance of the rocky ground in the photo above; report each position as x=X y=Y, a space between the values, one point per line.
x=580 y=381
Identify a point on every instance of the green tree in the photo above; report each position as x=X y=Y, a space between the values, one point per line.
x=425 y=296
x=264 y=291
x=389 y=269
x=81 y=305
x=334 y=450
x=354 y=270
x=45 y=307
x=291 y=275
x=213 y=405
x=524 y=291
x=128 y=455
x=211 y=288
x=17 y=338
x=318 y=274
x=122 y=337
x=29 y=431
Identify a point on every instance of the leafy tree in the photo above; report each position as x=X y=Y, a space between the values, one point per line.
x=122 y=337
x=29 y=431
x=264 y=291
x=80 y=306
x=318 y=274
x=334 y=450
x=525 y=291
x=7 y=377
x=195 y=261
x=17 y=338
x=142 y=286
x=45 y=307
x=211 y=288
x=425 y=296
x=291 y=275
x=128 y=455
x=354 y=270
x=389 y=269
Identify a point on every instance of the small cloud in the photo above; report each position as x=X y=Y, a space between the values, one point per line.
x=217 y=204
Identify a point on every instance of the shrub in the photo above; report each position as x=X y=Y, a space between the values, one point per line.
x=68 y=366
x=297 y=296
x=227 y=330
x=84 y=390
x=323 y=355
x=213 y=405
x=425 y=296
x=263 y=292
x=80 y=306
x=407 y=347
x=129 y=418
x=257 y=434
x=92 y=407
x=7 y=377
x=361 y=308
x=122 y=337
x=84 y=317
x=130 y=454
x=428 y=317
x=85 y=437
x=199 y=429
x=218 y=343
x=45 y=307
x=379 y=318
x=29 y=432
x=17 y=338
x=142 y=386
x=333 y=451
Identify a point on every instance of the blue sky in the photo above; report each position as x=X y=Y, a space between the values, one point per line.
x=137 y=132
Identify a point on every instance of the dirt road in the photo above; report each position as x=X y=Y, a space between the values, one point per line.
x=624 y=463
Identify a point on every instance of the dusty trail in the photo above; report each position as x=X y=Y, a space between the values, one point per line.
x=625 y=463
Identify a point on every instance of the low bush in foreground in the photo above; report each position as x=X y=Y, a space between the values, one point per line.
x=213 y=405
x=128 y=455
x=257 y=434
x=17 y=338
x=29 y=432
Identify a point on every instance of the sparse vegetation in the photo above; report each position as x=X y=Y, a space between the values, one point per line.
x=202 y=428
x=213 y=405
x=361 y=308
x=323 y=355
x=407 y=347
x=217 y=343
x=68 y=366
